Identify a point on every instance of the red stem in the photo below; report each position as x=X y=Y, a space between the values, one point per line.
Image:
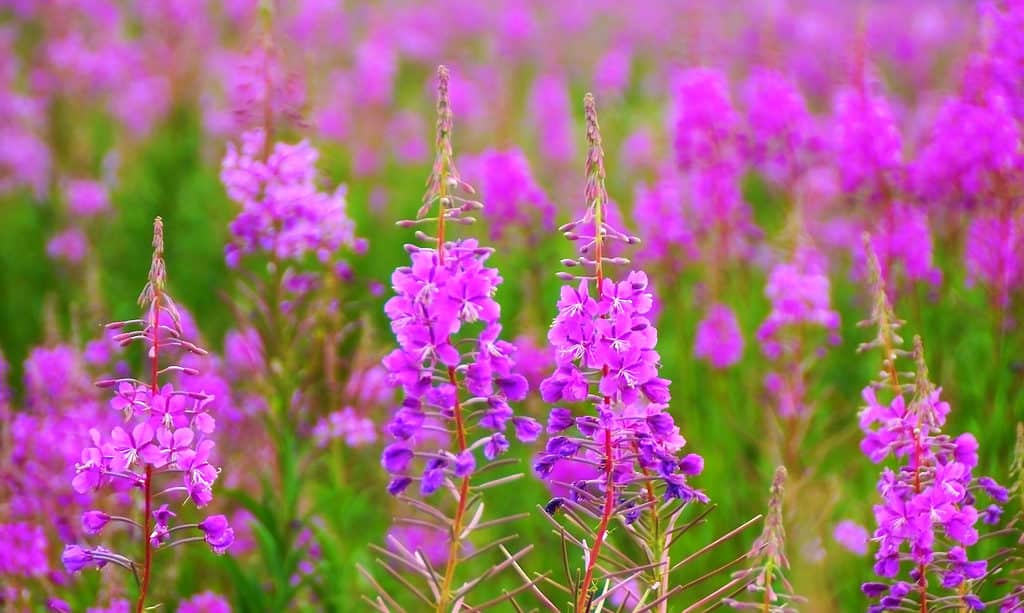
x=583 y=597
x=922 y=579
x=140 y=604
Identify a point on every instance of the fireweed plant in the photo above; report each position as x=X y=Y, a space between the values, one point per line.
x=606 y=358
x=770 y=563
x=928 y=518
x=162 y=453
x=457 y=378
x=289 y=246
x=801 y=311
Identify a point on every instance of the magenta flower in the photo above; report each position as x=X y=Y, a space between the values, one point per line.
x=86 y=198
x=166 y=432
x=283 y=212
x=69 y=246
x=852 y=536
x=513 y=196
x=719 y=339
x=447 y=325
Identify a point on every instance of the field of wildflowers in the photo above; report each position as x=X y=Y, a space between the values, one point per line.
x=585 y=306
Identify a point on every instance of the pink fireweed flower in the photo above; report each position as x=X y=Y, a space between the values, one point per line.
x=707 y=127
x=994 y=254
x=956 y=167
x=346 y=424
x=551 y=112
x=86 y=198
x=660 y=215
x=165 y=432
x=206 y=602
x=783 y=138
x=801 y=302
x=868 y=145
x=263 y=90
x=450 y=353
x=799 y=295
x=606 y=357
x=69 y=246
x=852 y=536
x=512 y=194
x=928 y=512
x=719 y=339
x=284 y=214
x=903 y=237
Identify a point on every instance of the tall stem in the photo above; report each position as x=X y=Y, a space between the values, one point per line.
x=147 y=486
x=444 y=595
x=583 y=597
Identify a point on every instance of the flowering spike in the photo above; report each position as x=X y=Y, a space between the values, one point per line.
x=165 y=433
x=884 y=318
x=928 y=514
x=447 y=362
x=769 y=551
x=157 y=270
x=605 y=352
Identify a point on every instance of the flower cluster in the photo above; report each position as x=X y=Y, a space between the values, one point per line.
x=799 y=295
x=994 y=253
x=719 y=339
x=284 y=214
x=868 y=145
x=513 y=196
x=929 y=513
x=782 y=137
x=162 y=448
x=605 y=354
x=448 y=329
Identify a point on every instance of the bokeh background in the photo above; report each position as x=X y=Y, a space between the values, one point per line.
x=902 y=118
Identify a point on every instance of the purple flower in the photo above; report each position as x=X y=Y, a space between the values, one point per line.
x=506 y=183
x=93 y=522
x=994 y=254
x=852 y=536
x=86 y=198
x=495 y=446
x=206 y=602
x=77 y=558
x=446 y=322
x=217 y=533
x=782 y=132
x=719 y=339
x=706 y=124
x=869 y=148
x=551 y=112
x=927 y=512
x=283 y=212
x=606 y=354
x=69 y=246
